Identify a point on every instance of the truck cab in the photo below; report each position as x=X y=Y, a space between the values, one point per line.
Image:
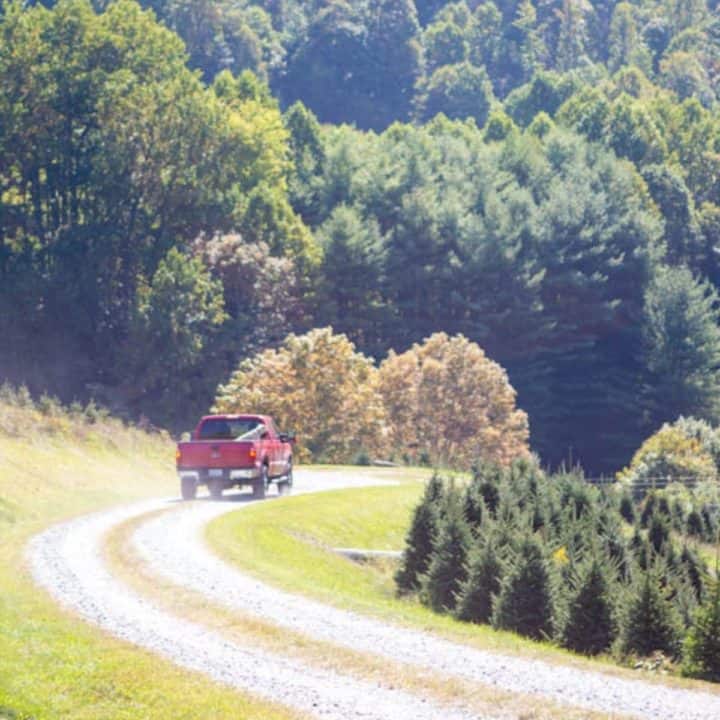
x=226 y=451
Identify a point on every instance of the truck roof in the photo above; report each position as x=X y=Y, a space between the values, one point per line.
x=234 y=416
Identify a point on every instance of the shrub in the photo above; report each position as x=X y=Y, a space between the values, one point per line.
x=525 y=603
x=484 y=573
x=650 y=623
x=669 y=456
x=702 y=645
x=419 y=541
x=590 y=626
x=447 y=569
x=704 y=432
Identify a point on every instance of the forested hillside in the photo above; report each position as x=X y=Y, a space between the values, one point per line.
x=184 y=184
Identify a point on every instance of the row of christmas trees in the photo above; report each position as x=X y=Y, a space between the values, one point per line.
x=551 y=557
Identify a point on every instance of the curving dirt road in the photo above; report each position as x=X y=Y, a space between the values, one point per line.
x=66 y=560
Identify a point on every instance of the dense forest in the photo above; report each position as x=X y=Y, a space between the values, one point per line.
x=185 y=182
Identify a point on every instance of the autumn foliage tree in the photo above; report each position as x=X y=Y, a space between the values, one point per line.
x=447 y=399
x=319 y=385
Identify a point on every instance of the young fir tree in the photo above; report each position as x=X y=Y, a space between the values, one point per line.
x=617 y=552
x=663 y=506
x=678 y=516
x=694 y=524
x=447 y=569
x=525 y=603
x=695 y=569
x=627 y=508
x=419 y=542
x=590 y=626
x=702 y=645
x=484 y=573
x=474 y=508
x=648 y=509
x=658 y=532
x=710 y=523
x=651 y=622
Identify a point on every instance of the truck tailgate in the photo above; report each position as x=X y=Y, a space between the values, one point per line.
x=216 y=454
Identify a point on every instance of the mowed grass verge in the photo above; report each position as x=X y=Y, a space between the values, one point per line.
x=289 y=543
x=52 y=664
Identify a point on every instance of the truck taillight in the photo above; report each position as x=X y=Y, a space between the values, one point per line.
x=252 y=454
x=178 y=456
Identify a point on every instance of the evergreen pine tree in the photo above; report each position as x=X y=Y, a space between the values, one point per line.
x=658 y=532
x=490 y=491
x=678 y=516
x=702 y=645
x=650 y=623
x=525 y=603
x=616 y=551
x=627 y=508
x=709 y=523
x=474 y=508
x=419 y=542
x=447 y=568
x=694 y=524
x=590 y=627
x=640 y=548
x=695 y=569
x=682 y=346
x=484 y=573
x=648 y=509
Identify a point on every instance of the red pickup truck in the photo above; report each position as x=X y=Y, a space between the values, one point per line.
x=233 y=450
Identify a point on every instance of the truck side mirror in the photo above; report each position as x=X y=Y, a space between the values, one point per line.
x=287 y=437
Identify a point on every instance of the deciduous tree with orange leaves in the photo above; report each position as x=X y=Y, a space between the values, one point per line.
x=319 y=386
x=445 y=398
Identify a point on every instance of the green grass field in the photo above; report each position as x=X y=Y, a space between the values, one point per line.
x=289 y=543
x=52 y=665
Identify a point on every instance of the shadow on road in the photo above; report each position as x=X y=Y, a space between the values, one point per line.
x=235 y=497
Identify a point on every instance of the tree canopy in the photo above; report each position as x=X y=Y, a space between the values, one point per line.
x=183 y=183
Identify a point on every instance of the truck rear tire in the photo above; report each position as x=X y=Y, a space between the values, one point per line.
x=285 y=485
x=216 y=489
x=260 y=487
x=188 y=488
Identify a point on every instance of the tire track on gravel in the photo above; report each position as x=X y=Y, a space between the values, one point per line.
x=172 y=545
x=67 y=561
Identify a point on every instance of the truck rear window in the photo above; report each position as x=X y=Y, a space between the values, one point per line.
x=222 y=429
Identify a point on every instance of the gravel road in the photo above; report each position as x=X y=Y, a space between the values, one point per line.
x=66 y=560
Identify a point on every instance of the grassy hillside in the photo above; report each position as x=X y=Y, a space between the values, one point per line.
x=54 y=465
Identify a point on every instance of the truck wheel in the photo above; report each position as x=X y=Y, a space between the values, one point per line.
x=188 y=488
x=285 y=485
x=216 y=489
x=261 y=485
